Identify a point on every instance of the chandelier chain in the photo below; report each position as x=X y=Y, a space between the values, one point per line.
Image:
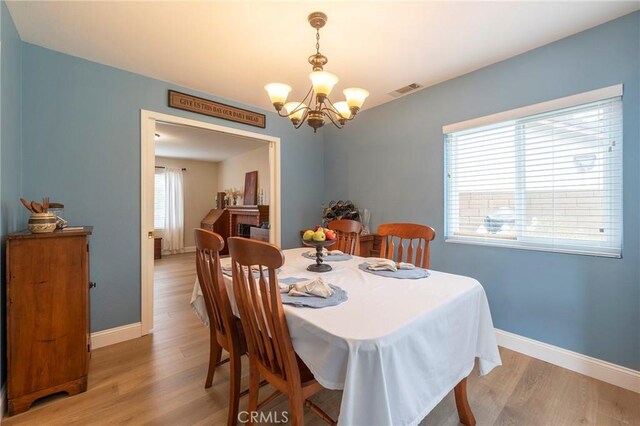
x=318 y=41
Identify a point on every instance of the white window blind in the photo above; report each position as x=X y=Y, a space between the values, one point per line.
x=159 y=201
x=549 y=181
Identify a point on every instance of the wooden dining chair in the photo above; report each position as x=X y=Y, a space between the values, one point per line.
x=271 y=353
x=406 y=242
x=225 y=329
x=347 y=236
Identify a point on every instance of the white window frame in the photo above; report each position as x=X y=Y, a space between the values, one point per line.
x=522 y=241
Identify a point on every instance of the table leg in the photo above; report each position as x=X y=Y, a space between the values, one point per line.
x=462 y=404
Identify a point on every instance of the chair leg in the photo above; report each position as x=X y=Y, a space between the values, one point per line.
x=234 y=389
x=215 y=353
x=254 y=389
x=462 y=404
x=296 y=409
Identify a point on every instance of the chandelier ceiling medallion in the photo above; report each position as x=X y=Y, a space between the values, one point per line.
x=316 y=105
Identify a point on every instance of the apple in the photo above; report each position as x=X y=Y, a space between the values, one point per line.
x=319 y=235
x=331 y=235
x=308 y=235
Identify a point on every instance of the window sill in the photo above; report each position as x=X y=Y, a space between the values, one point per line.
x=506 y=244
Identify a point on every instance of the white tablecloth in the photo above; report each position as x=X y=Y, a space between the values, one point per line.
x=396 y=347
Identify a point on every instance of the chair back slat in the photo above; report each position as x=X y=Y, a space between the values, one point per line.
x=347 y=235
x=420 y=235
x=401 y=248
x=273 y=308
x=261 y=311
x=410 y=251
x=208 y=247
x=419 y=254
x=272 y=350
x=260 y=305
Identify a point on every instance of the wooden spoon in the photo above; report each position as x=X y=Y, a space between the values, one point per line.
x=26 y=204
x=37 y=207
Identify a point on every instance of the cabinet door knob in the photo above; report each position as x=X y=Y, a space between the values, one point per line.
x=92 y=284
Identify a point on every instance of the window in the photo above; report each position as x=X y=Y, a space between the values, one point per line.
x=546 y=177
x=159 y=204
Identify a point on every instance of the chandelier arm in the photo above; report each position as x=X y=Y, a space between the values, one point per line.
x=303 y=119
x=334 y=110
x=306 y=108
x=339 y=126
x=300 y=123
x=280 y=114
x=332 y=113
x=309 y=96
x=296 y=109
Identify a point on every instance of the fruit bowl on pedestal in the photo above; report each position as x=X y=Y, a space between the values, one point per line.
x=319 y=245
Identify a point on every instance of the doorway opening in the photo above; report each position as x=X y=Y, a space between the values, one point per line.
x=196 y=174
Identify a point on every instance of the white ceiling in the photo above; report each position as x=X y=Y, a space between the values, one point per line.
x=232 y=49
x=192 y=143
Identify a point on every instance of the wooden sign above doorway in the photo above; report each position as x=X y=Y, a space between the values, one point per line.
x=215 y=109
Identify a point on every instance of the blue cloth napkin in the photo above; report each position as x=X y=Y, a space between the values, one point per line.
x=256 y=274
x=329 y=258
x=339 y=296
x=410 y=274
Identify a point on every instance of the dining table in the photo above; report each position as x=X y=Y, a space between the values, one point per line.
x=395 y=347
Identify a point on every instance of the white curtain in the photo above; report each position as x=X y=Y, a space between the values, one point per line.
x=173 y=238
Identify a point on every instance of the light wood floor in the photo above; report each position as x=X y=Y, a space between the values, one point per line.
x=159 y=380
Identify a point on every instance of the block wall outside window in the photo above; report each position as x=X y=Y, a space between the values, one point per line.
x=546 y=177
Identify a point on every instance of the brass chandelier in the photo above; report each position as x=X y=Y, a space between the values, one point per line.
x=316 y=105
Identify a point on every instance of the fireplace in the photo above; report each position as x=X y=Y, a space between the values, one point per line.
x=244 y=230
x=242 y=218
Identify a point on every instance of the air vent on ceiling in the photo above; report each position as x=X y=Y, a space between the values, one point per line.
x=404 y=90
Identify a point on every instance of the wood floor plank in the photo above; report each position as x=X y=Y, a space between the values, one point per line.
x=159 y=380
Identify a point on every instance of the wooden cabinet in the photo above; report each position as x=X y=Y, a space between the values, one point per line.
x=217 y=220
x=234 y=221
x=157 y=248
x=47 y=315
x=370 y=245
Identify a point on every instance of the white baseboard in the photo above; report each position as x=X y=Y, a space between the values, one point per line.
x=190 y=249
x=602 y=370
x=99 y=339
x=115 y=335
x=3 y=397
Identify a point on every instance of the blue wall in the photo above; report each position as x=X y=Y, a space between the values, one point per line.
x=81 y=142
x=80 y=139
x=11 y=215
x=390 y=159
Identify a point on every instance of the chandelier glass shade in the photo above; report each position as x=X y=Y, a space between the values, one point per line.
x=316 y=107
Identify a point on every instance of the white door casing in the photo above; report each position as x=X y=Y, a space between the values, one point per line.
x=148 y=121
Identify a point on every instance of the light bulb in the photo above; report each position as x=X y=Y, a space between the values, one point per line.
x=295 y=111
x=278 y=93
x=355 y=98
x=343 y=110
x=323 y=82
